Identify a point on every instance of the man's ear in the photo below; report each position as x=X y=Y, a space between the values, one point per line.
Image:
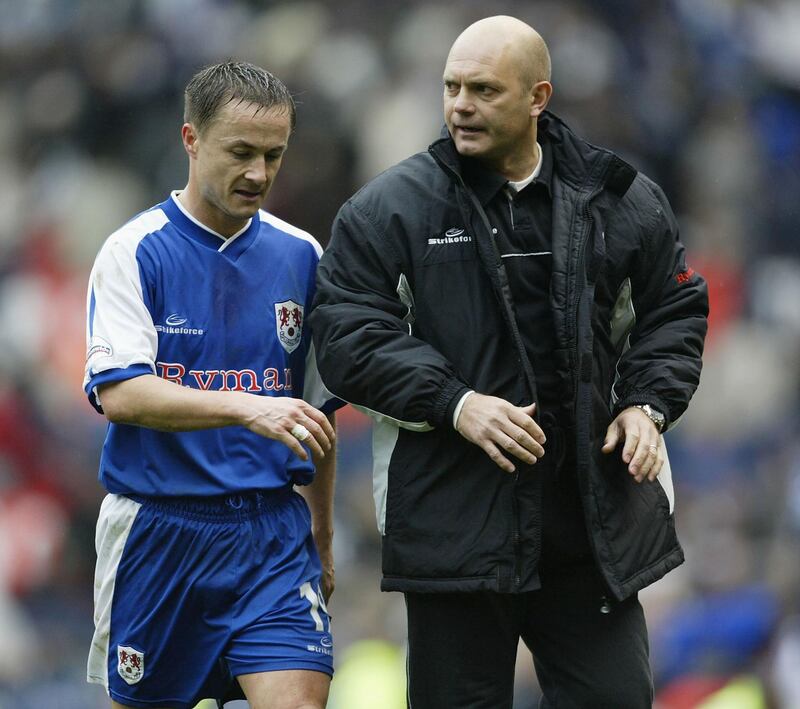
x=190 y=139
x=541 y=92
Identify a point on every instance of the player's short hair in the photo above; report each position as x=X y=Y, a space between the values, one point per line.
x=217 y=85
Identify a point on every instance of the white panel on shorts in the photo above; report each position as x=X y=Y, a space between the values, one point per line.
x=117 y=515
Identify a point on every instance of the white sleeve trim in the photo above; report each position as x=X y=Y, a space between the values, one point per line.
x=459 y=406
x=120 y=329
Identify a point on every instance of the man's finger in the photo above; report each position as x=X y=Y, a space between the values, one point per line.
x=643 y=459
x=612 y=438
x=639 y=458
x=497 y=457
x=318 y=433
x=521 y=418
x=524 y=439
x=309 y=436
x=629 y=449
x=323 y=422
x=328 y=586
x=524 y=454
x=289 y=440
x=657 y=465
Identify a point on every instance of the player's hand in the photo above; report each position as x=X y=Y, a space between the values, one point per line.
x=643 y=450
x=278 y=416
x=501 y=429
x=328 y=580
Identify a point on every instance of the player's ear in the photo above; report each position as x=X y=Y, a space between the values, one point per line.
x=540 y=95
x=190 y=138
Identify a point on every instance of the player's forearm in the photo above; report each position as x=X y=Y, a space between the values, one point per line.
x=319 y=496
x=152 y=402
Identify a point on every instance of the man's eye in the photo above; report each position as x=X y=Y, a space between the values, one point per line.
x=240 y=154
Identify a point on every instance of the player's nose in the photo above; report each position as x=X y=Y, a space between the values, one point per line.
x=257 y=172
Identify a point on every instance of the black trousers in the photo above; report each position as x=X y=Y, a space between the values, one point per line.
x=589 y=651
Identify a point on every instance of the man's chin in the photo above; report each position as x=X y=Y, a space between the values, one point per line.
x=245 y=211
x=469 y=148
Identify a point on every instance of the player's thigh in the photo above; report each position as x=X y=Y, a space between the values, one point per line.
x=281 y=620
x=286 y=689
x=590 y=651
x=462 y=650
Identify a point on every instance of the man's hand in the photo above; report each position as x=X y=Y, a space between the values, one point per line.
x=319 y=496
x=325 y=551
x=643 y=451
x=276 y=417
x=153 y=402
x=500 y=427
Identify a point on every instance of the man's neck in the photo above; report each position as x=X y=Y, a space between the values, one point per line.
x=191 y=206
x=520 y=166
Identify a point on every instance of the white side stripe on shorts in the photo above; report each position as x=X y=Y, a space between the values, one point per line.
x=117 y=515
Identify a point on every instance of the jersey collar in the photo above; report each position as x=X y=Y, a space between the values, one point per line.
x=231 y=246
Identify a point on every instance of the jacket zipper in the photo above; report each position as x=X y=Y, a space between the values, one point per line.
x=515 y=536
x=578 y=277
x=515 y=533
x=579 y=286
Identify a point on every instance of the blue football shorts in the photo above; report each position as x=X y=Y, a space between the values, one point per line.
x=191 y=592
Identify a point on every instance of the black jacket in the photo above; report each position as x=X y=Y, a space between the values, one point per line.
x=413 y=308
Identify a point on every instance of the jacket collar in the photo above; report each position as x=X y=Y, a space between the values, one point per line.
x=581 y=164
x=487 y=183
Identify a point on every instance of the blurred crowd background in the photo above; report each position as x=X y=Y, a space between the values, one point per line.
x=703 y=95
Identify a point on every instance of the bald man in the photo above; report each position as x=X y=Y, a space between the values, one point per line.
x=514 y=309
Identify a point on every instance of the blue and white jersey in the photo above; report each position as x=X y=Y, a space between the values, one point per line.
x=169 y=297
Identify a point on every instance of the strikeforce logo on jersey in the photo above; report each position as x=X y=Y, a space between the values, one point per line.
x=289 y=324
x=174 y=323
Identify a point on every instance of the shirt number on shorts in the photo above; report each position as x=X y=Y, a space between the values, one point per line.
x=316 y=600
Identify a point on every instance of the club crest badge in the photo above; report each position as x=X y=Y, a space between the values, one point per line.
x=130 y=664
x=289 y=323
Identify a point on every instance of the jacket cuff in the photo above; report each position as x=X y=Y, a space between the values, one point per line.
x=635 y=398
x=446 y=400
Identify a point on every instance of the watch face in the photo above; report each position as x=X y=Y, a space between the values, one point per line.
x=655 y=416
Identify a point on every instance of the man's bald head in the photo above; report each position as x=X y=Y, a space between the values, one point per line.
x=495 y=88
x=501 y=34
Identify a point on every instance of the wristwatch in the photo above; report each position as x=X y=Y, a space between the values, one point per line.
x=654 y=415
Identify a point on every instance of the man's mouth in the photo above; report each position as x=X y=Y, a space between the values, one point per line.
x=248 y=194
x=469 y=130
